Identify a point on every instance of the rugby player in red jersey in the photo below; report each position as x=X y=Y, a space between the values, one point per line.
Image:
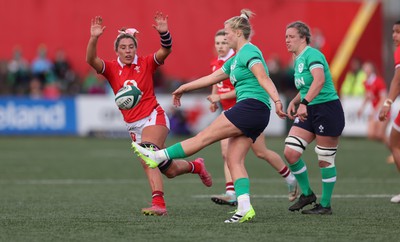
x=394 y=91
x=147 y=122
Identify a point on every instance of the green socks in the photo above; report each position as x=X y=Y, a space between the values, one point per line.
x=299 y=170
x=328 y=183
x=242 y=186
x=175 y=151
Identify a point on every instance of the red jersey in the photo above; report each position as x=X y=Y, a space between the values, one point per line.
x=374 y=85
x=139 y=73
x=397 y=57
x=225 y=85
x=397 y=65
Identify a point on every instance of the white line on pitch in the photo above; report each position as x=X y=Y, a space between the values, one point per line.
x=334 y=196
x=71 y=181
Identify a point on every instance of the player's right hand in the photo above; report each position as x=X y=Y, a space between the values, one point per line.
x=96 y=27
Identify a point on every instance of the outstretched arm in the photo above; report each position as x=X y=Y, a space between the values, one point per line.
x=204 y=81
x=96 y=29
x=161 y=25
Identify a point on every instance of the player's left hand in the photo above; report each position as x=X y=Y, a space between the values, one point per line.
x=161 y=24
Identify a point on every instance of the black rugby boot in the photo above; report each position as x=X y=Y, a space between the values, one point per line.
x=303 y=201
x=318 y=209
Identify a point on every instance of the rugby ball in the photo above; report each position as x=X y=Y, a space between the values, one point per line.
x=128 y=97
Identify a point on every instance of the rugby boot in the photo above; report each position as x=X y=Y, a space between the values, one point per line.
x=303 y=201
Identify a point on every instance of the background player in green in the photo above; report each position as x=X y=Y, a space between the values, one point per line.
x=243 y=123
x=319 y=116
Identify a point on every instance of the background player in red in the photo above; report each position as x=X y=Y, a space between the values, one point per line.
x=394 y=91
x=224 y=93
x=375 y=93
x=147 y=123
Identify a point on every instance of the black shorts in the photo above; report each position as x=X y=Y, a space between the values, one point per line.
x=251 y=116
x=324 y=119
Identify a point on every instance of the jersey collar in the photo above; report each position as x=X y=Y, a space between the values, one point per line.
x=304 y=50
x=133 y=62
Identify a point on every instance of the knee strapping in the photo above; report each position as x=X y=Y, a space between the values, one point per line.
x=163 y=166
x=296 y=143
x=327 y=154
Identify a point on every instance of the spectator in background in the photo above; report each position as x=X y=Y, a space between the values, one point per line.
x=4 y=87
x=63 y=71
x=18 y=73
x=375 y=93
x=51 y=90
x=41 y=65
x=61 y=65
x=353 y=84
x=94 y=84
x=35 y=88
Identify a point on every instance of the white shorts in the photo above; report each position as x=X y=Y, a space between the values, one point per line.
x=157 y=117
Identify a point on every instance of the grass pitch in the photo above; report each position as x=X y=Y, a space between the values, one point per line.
x=86 y=189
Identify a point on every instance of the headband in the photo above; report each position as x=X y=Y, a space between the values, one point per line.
x=131 y=31
x=244 y=16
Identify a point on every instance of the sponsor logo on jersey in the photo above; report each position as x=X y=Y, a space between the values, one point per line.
x=299 y=82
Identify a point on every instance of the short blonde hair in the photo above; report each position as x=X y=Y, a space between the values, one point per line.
x=242 y=22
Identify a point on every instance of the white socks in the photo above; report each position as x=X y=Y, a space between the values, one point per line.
x=243 y=204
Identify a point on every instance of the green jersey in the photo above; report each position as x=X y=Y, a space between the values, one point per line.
x=309 y=59
x=245 y=83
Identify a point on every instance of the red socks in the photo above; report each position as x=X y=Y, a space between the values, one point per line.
x=229 y=187
x=196 y=167
x=158 y=198
x=285 y=172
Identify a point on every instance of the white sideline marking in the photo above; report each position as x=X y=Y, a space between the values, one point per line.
x=334 y=196
x=144 y=181
x=179 y=180
x=72 y=181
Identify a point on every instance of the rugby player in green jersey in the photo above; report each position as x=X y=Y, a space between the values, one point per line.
x=242 y=123
x=317 y=114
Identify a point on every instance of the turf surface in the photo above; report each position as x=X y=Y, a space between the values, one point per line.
x=87 y=189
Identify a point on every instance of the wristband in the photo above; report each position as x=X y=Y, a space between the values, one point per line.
x=166 y=40
x=278 y=101
x=388 y=102
x=304 y=101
